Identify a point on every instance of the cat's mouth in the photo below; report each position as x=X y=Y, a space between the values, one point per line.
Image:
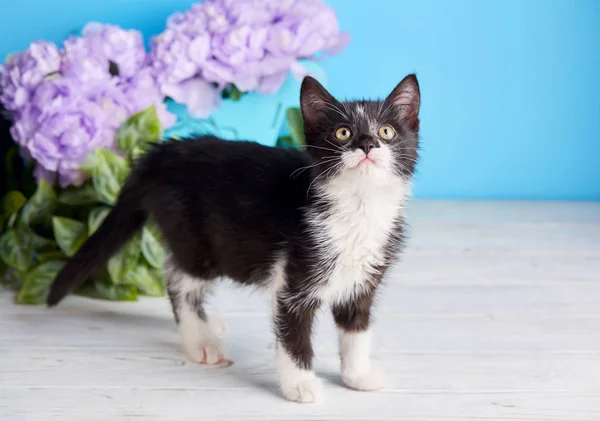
x=367 y=160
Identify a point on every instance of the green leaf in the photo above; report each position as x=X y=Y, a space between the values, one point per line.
x=37 y=282
x=32 y=240
x=17 y=246
x=96 y=217
x=13 y=201
x=69 y=234
x=14 y=250
x=52 y=75
x=296 y=125
x=90 y=163
x=108 y=174
x=124 y=261
x=234 y=93
x=120 y=292
x=137 y=152
x=51 y=255
x=138 y=129
x=152 y=247
x=12 y=220
x=84 y=195
x=12 y=278
x=285 y=142
x=40 y=206
x=147 y=279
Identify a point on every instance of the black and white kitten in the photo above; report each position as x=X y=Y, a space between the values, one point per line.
x=317 y=228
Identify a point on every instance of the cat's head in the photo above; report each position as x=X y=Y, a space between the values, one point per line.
x=376 y=141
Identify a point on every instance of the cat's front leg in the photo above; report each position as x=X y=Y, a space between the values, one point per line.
x=293 y=326
x=352 y=319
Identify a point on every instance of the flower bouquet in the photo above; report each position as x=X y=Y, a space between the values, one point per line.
x=80 y=115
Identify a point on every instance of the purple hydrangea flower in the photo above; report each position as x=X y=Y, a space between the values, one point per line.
x=111 y=43
x=51 y=95
x=252 y=44
x=171 y=57
x=142 y=91
x=201 y=97
x=59 y=127
x=24 y=71
x=88 y=58
x=79 y=63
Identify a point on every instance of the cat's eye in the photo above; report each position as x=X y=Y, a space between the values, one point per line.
x=387 y=132
x=343 y=134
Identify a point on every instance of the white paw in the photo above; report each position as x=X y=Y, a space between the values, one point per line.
x=305 y=389
x=218 y=326
x=201 y=344
x=372 y=379
x=208 y=354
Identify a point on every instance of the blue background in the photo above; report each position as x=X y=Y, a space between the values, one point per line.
x=510 y=88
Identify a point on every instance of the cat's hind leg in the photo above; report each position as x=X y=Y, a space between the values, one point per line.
x=201 y=336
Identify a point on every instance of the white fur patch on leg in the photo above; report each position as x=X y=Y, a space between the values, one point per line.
x=297 y=384
x=201 y=338
x=357 y=370
x=198 y=338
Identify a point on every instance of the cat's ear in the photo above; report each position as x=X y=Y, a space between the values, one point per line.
x=406 y=99
x=315 y=101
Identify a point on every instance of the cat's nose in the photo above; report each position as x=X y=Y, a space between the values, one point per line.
x=367 y=143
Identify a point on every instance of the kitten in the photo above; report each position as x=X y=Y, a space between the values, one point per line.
x=317 y=228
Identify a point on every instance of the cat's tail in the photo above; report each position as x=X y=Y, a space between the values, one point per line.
x=125 y=219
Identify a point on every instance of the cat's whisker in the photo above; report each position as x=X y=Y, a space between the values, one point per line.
x=390 y=105
x=344 y=106
x=325 y=149
x=325 y=172
x=322 y=161
x=337 y=110
x=379 y=109
x=339 y=147
x=402 y=168
x=408 y=158
x=315 y=147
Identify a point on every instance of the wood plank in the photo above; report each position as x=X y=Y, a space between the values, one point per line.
x=467 y=236
x=434 y=373
x=341 y=404
x=495 y=268
x=507 y=211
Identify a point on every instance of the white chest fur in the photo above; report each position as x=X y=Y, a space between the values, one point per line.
x=353 y=236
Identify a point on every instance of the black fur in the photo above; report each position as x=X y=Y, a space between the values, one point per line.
x=224 y=208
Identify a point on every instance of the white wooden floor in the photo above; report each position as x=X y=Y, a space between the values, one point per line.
x=494 y=314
